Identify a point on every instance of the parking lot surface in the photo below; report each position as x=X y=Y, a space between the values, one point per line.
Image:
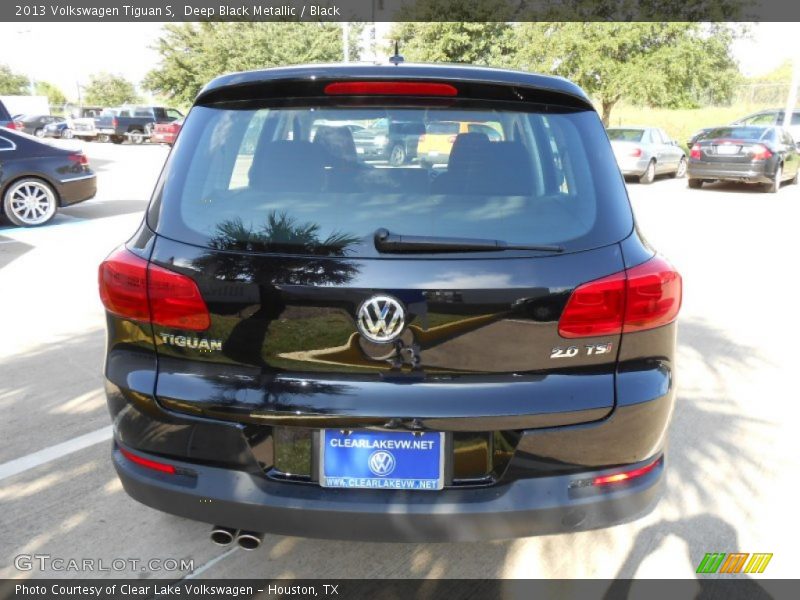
x=732 y=459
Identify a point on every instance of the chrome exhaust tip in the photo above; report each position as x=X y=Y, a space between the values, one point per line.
x=249 y=540
x=223 y=536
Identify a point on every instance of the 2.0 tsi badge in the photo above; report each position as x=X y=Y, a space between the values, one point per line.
x=381 y=319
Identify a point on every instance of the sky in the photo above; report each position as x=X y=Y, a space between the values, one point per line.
x=67 y=53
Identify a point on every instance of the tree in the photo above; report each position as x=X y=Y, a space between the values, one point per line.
x=656 y=64
x=55 y=97
x=12 y=84
x=475 y=43
x=106 y=89
x=194 y=53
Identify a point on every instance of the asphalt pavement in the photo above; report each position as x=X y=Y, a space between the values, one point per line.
x=732 y=461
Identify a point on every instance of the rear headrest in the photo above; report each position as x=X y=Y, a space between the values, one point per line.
x=468 y=150
x=288 y=166
x=338 y=143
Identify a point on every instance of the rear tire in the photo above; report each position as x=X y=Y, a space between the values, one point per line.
x=695 y=184
x=775 y=186
x=397 y=155
x=649 y=174
x=117 y=139
x=67 y=134
x=680 y=172
x=30 y=202
x=39 y=133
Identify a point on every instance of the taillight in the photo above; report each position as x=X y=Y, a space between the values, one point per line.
x=148 y=463
x=132 y=288
x=12 y=125
x=637 y=152
x=626 y=475
x=79 y=158
x=595 y=308
x=421 y=139
x=644 y=297
x=114 y=122
x=389 y=88
x=761 y=152
x=452 y=139
x=695 y=152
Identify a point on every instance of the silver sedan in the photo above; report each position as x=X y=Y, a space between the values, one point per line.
x=645 y=152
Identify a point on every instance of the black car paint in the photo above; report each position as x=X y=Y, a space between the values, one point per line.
x=5 y=117
x=229 y=420
x=32 y=124
x=72 y=182
x=713 y=167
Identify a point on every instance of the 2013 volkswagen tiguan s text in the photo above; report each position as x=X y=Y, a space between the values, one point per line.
x=306 y=341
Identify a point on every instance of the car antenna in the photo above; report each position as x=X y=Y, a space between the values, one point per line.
x=396 y=59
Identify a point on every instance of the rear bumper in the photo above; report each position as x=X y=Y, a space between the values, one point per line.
x=632 y=166
x=744 y=172
x=162 y=138
x=78 y=189
x=521 y=508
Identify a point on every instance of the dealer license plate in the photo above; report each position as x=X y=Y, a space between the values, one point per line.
x=396 y=460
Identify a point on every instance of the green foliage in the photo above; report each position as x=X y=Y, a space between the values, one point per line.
x=12 y=84
x=194 y=53
x=55 y=97
x=106 y=89
x=656 y=64
x=475 y=43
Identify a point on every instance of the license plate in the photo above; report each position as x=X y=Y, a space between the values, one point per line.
x=728 y=150
x=396 y=460
x=107 y=131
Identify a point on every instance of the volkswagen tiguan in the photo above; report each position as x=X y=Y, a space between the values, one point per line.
x=305 y=340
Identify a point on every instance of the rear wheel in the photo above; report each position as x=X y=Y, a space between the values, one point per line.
x=681 y=170
x=397 y=156
x=67 y=134
x=775 y=186
x=649 y=174
x=695 y=184
x=39 y=132
x=30 y=203
x=117 y=139
x=137 y=136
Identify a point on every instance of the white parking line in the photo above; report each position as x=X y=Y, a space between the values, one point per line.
x=36 y=459
x=199 y=571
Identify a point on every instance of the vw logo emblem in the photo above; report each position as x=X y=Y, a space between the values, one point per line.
x=381 y=463
x=381 y=319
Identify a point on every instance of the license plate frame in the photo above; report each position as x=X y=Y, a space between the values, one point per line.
x=352 y=467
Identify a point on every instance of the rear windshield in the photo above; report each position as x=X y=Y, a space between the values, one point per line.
x=297 y=181
x=739 y=133
x=625 y=135
x=442 y=127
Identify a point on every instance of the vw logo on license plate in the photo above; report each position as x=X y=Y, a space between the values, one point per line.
x=382 y=463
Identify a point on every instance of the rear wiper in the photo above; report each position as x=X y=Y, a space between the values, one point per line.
x=392 y=242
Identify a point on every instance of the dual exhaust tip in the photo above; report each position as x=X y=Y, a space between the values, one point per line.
x=247 y=540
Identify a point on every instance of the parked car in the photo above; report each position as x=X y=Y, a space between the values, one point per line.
x=84 y=122
x=746 y=153
x=339 y=349
x=5 y=118
x=392 y=141
x=59 y=129
x=37 y=178
x=645 y=152
x=35 y=124
x=435 y=145
x=134 y=123
x=772 y=116
x=166 y=133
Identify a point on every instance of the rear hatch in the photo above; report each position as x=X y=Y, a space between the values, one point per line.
x=343 y=293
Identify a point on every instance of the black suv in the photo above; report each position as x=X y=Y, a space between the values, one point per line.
x=304 y=343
